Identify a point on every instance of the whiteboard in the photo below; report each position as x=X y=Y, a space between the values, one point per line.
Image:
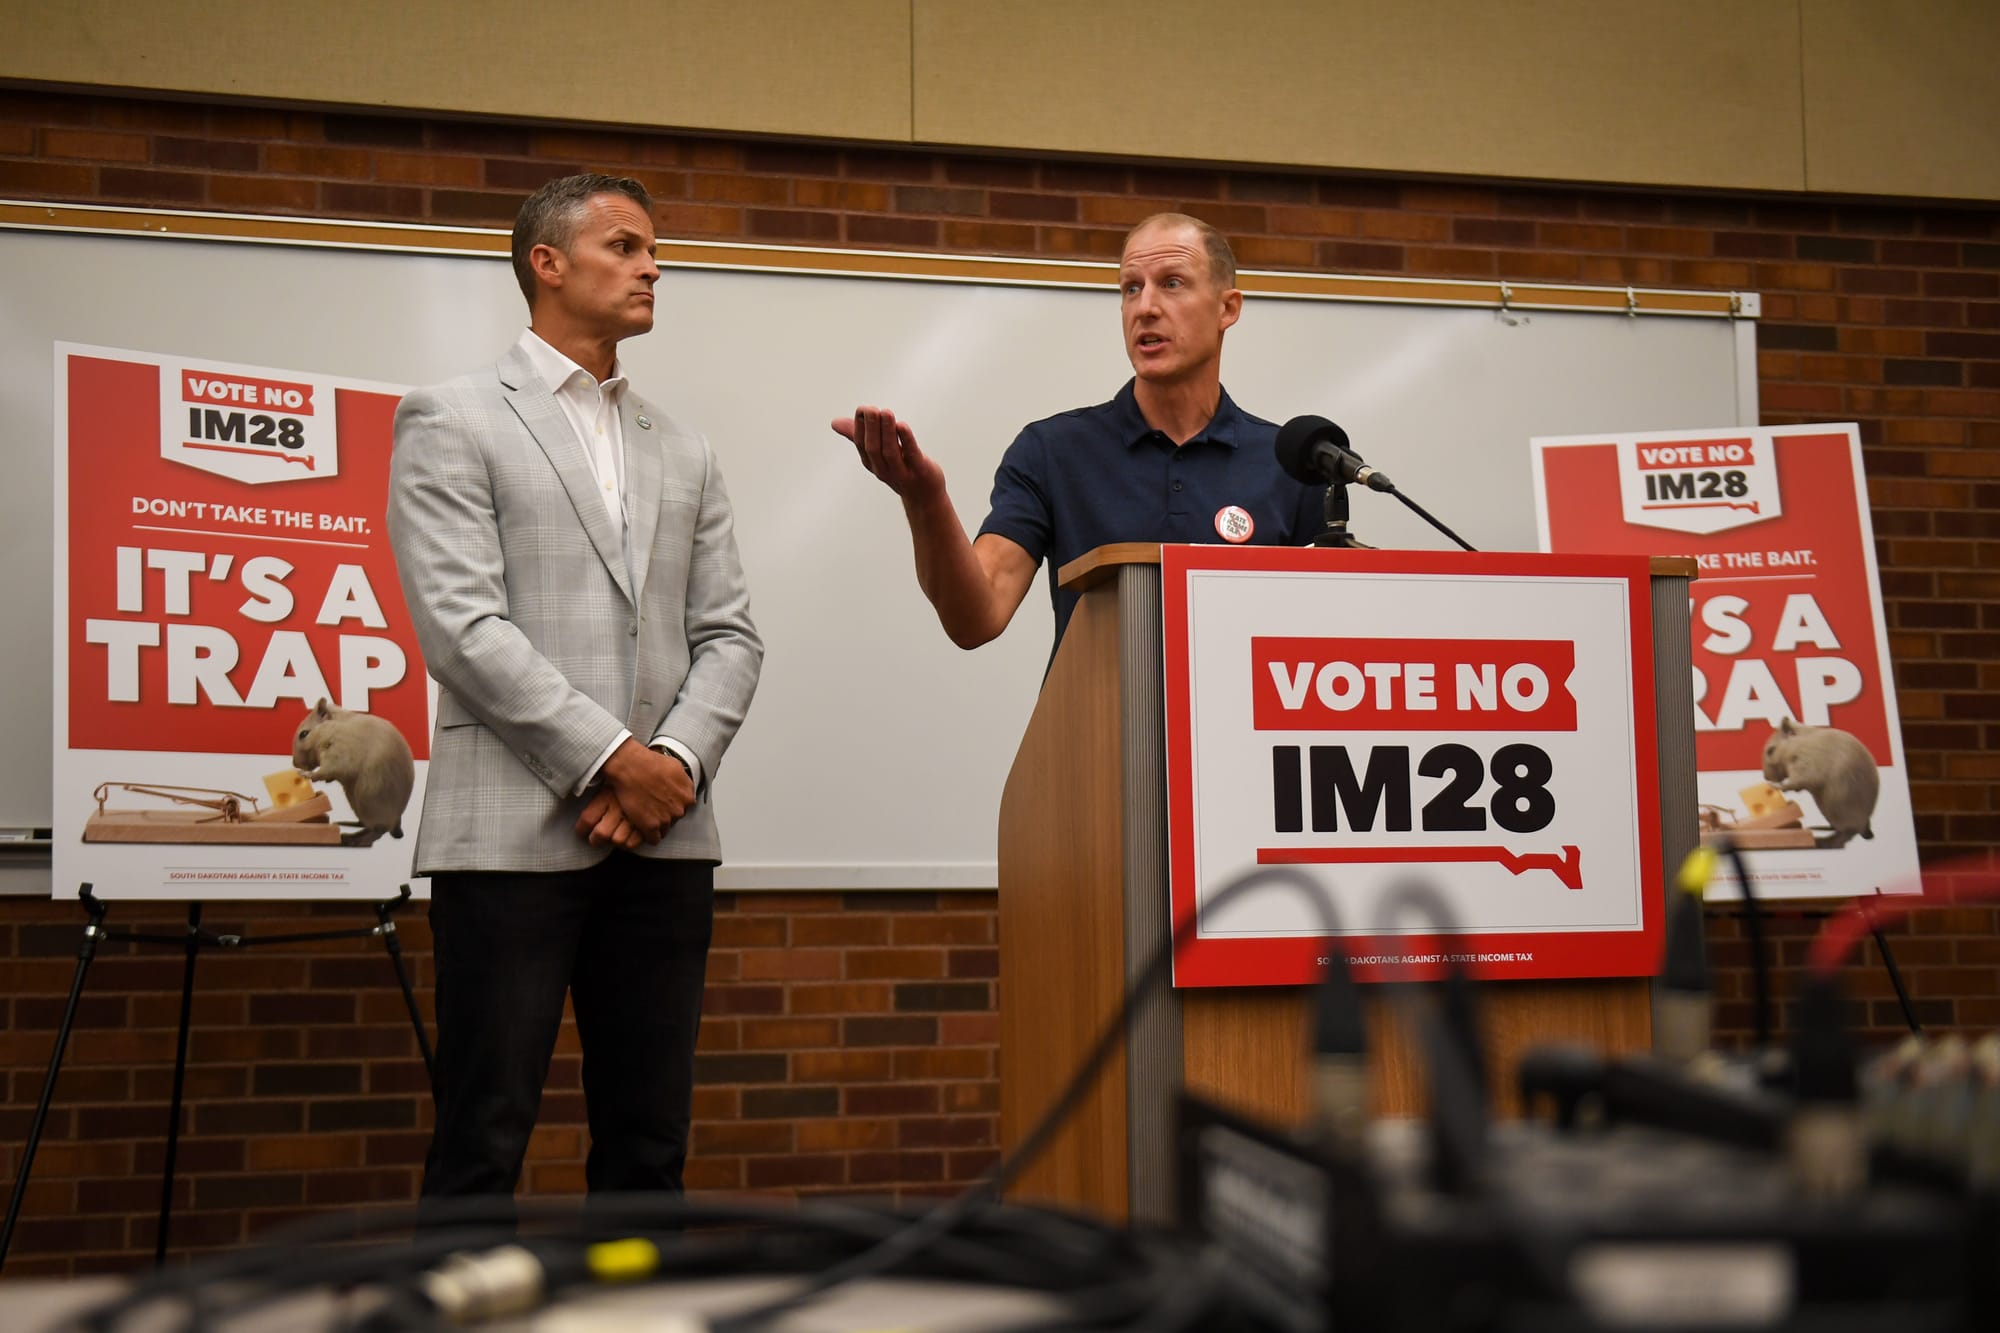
x=875 y=751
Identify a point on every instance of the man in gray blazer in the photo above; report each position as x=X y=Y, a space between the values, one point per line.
x=567 y=554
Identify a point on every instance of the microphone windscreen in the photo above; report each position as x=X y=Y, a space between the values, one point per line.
x=1297 y=439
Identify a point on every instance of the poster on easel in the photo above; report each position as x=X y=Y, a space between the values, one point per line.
x=1798 y=748
x=240 y=707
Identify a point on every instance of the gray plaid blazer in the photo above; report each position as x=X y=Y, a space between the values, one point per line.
x=542 y=643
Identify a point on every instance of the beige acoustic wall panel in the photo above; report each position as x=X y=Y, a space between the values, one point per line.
x=838 y=68
x=1903 y=98
x=1668 y=92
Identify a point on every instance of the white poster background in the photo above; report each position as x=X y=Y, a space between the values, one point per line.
x=215 y=872
x=1595 y=765
x=210 y=872
x=1821 y=509
x=1886 y=862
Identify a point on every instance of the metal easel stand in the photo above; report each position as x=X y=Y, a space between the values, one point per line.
x=192 y=942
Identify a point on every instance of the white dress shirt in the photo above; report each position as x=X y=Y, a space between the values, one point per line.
x=592 y=410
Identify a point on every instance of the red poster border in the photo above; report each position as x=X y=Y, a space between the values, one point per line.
x=1293 y=959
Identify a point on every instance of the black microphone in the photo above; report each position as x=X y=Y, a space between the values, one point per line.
x=1314 y=449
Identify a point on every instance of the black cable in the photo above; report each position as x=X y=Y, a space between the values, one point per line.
x=1001 y=1245
x=1189 y=1298
x=1895 y=977
x=893 y=1252
x=290 y=1252
x=1684 y=964
x=1760 y=963
x=1684 y=1003
x=1449 y=1033
x=891 y=1242
x=1823 y=1059
x=1190 y=1302
x=1186 y=1291
x=400 y=1311
x=1432 y=519
x=194 y=1279
x=1459 y=1128
x=1157 y=970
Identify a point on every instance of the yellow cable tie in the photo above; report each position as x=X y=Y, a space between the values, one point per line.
x=1697 y=871
x=622 y=1260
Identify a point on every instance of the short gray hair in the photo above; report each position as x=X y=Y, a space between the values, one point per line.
x=551 y=215
x=1221 y=259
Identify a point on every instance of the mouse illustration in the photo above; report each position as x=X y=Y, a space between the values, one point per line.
x=1834 y=768
x=370 y=760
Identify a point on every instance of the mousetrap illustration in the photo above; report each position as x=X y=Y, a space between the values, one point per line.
x=1774 y=823
x=297 y=814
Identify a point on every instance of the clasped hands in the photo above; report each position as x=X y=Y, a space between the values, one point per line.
x=642 y=793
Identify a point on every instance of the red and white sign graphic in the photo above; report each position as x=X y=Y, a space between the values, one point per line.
x=222 y=567
x=1700 y=485
x=1393 y=684
x=1480 y=725
x=1788 y=633
x=251 y=428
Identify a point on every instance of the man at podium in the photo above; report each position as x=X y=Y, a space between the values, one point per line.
x=1171 y=458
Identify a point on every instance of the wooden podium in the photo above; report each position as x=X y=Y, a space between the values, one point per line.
x=1083 y=904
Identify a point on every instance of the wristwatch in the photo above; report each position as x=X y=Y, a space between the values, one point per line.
x=675 y=756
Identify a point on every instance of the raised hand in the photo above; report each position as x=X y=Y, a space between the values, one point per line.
x=888 y=449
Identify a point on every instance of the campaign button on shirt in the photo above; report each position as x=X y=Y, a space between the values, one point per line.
x=1234 y=524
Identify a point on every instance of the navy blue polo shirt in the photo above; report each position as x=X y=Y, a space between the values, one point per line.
x=1074 y=482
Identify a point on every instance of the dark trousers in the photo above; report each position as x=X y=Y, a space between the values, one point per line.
x=628 y=940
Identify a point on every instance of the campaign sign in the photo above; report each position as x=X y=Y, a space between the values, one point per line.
x=248 y=427
x=1707 y=484
x=1472 y=731
x=1798 y=751
x=241 y=710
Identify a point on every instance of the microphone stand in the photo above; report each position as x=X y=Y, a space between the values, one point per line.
x=1385 y=485
x=1335 y=532
x=1343 y=465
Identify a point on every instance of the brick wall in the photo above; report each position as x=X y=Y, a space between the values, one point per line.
x=848 y=1045
x=850 y=1038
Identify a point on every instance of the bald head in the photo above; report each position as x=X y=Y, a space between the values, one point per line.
x=1212 y=243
